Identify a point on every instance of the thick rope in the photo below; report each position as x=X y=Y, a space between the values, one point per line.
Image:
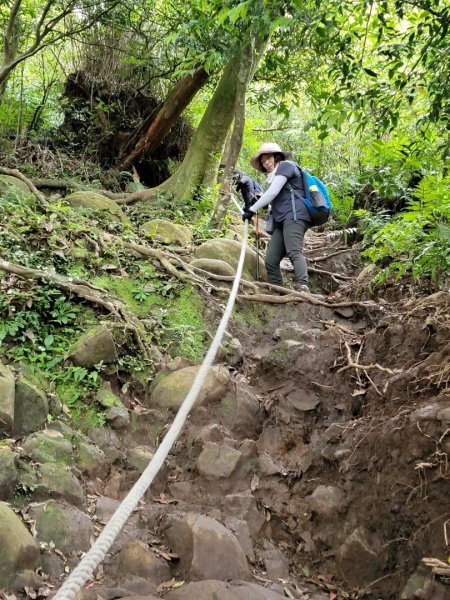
x=97 y=553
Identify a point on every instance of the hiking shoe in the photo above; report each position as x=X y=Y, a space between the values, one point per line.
x=301 y=287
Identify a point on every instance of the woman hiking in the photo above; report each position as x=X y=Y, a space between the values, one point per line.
x=289 y=228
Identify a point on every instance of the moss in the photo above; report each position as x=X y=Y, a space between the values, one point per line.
x=254 y=315
x=131 y=293
x=186 y=321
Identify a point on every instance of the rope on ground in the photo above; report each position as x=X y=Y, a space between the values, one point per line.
x=97 y=553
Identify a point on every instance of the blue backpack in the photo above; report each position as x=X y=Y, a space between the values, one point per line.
x=317 y=199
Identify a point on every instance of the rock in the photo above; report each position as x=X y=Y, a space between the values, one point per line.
x=234 y=352
x=414 y=583
x=9 y=182
x=220 y=590
x=138 y=586
x=346 y=311
x=242 y=533
x=58 y=481
x=7 y=394
x=27 y=579
x=106 y=397
x=207 y=549
x=96 y=202
x=218 y=461
x=118 y=417
x=8 y=472
x=167 y=232
x=18 y=549
x=94 y=346
x=135 y=558
x=91 y=460
x=444 y=416
x=139 y=457
x=52 y=565
x=326 y=500
x=229 y=251
x=276 y=564
x=66 y=526
x=105 y=508
x=30 y=407
x=107 y=440
x=48 y=446
x=214 y=266
x=243 y=506
x=173 y=389
x=295 y=331
x=241 y=412
x=266 y=466
x=361 y=558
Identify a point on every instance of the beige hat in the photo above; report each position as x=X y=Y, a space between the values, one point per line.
x=267 y=148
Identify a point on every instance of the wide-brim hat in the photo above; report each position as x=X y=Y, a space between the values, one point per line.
x=267 y=148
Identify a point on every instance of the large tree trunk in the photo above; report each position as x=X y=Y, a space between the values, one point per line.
x=206 y=147
x=247 y=69
x=10 y=46
x=147 y=137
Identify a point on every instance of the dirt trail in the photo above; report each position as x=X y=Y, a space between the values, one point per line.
x=336 y=485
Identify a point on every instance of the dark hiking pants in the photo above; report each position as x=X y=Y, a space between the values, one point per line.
x=287 y=241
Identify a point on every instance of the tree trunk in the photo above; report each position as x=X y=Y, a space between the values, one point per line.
x=206 y=147
x=10 y=46
x=147 y=137
x=247 y=69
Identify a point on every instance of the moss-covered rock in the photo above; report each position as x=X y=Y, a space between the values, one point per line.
x=97 y=202
x=18 y=549
x=8 y=472
x=106 y=397
x=94 y=346
x=8 y=182
x=138 y=458
x=58 y=481
x=214 y=266
x=229 y=251
x=172 y=390
x=91 y=460
x=48 y=446
x=67 y=527
x=7 y=394
x=167 y=232
x=30 y=407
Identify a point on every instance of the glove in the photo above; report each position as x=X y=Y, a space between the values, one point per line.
x=248 y=215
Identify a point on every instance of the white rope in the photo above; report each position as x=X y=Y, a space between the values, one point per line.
x=97 y=553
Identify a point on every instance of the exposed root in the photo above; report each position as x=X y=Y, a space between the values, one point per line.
x=354 y=365
x=15 y=173
x=86 y=291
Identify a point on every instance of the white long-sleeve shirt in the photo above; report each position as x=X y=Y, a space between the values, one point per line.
x=275 y=188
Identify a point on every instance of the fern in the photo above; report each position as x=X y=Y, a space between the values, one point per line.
x=418 y=239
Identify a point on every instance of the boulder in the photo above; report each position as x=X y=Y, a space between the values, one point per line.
x=136 y=558
x=240 y=411
x=7 y=394
x=207 y=550
x=229 y=252
x=105 y=508
x=106 y=397
x=9 y=182
x=167 y=232
x=108 y=441
x=59 y=482
x=30 y=407
x=215 y=590
x=173 y=389
x=243 y=506
x=94 y=346
x=48 y=446
x=18 y=549
x=91 y=460
x=96 y=202
x=214 y=266
x=118 y=417
x=8 y=472
x=66 y=526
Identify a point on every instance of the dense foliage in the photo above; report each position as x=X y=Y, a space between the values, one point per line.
x=357 y=91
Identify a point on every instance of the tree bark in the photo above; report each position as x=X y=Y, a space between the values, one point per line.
x=147 y=137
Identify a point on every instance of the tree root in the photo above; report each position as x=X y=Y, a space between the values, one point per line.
x=327 y=256
x=84 y=290
x=15 y=173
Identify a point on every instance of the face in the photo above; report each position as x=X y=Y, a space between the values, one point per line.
x=268 y=162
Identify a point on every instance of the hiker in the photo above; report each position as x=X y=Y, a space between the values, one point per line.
x=288 y=234
x=249 y=188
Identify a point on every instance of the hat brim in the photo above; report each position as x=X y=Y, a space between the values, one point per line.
x=256 y=163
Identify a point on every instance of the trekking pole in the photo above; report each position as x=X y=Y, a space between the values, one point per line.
x=257 y=245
